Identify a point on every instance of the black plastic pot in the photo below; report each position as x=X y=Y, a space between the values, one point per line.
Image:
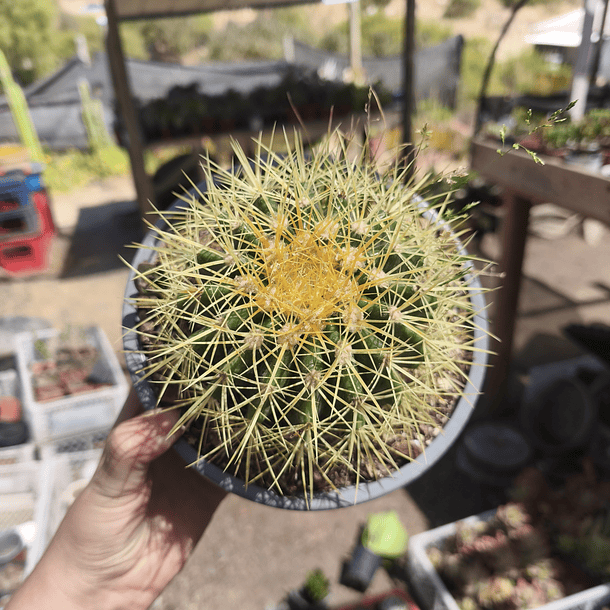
x=13 y=433
x=561 y=418
x=493 y=453
x=358 y=572
x=344 y=497
x=600 y=442
x=299 y=600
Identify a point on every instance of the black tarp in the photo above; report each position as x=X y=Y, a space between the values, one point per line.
x=55 y=102
x=437 y=69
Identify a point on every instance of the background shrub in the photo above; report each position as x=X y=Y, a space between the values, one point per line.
x=461 y=8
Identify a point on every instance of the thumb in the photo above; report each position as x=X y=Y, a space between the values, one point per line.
x=129 y=450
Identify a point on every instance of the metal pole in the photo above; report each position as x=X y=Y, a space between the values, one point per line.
x=598 y=48
x=355 y=42
x=580 y=81
x=408 y=87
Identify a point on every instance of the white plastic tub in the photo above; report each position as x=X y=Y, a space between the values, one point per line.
x=70 y=416
x=432 y=593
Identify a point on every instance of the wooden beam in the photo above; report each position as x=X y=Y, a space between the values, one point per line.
x=514 y=236
x=526 y=182
x=569 y=186
x=122 y=89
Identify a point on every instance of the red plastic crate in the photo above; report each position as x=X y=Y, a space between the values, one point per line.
x=376 y=601
x=30 y=255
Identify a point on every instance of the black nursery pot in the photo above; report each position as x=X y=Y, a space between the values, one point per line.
x=358 y=572
x=346 y=496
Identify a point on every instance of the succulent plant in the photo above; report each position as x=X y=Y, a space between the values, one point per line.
x=467 y=603
x=316 y=585
x=527 y=595
x=467 y=533
x=495 y=591
x=542 y=569
x=552 y=589
x=512 y=515
x=308 y=319
x=435 y=555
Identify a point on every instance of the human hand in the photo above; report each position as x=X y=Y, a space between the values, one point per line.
x=131 y=529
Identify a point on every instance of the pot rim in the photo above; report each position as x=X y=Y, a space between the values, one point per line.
x=346 y=496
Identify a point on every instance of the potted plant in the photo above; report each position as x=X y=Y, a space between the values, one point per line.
x=312 y=594
x=317 y=324
x=383 y=538
x=525 y=554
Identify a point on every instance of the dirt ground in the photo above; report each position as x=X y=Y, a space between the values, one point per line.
x=251 y=556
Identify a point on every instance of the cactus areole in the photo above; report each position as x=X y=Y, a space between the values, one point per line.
x=319 y=329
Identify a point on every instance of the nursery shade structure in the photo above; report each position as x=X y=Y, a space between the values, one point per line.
x=124 y=10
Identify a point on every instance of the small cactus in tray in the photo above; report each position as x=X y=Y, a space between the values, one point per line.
x=307 y=318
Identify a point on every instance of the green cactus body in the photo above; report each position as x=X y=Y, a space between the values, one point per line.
x=307 y=313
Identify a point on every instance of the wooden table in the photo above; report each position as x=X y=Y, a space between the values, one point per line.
x=525 y=183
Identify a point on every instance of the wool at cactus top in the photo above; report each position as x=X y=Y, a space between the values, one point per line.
x=307 y=319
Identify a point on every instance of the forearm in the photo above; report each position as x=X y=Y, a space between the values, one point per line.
x=53 y=585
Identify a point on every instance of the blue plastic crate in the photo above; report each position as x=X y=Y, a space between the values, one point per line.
x=18 y=216
x=16 y=186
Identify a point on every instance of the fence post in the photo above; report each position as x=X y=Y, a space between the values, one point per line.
x=20 y=111
x=93 y=118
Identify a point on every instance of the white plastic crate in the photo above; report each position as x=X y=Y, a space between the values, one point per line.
x=17 y=454
x=70 y=416
x=85 y=441
x=69 y=473
x=432 y=593
x=9 y=386
x=24 y=497
x=9 y=383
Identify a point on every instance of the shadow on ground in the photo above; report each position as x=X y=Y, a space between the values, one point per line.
x=445 y=493
x=544 y=300
x=102 y=235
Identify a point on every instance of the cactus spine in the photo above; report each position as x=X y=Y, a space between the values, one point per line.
x=307 y=316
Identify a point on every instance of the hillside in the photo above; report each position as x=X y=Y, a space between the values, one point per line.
x=490 y=18
x=486 y=22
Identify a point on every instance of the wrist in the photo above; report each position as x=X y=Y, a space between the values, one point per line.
x=55 y=584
